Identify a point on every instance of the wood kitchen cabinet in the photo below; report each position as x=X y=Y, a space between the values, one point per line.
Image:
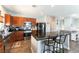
x=16 y=36
x=15 y=21
x=19 y=35
x=33 y=20
x=23 y=19
x=1 y=19
x=1 y=45
x=12 y=38
x=8 y=19
x=19 y=21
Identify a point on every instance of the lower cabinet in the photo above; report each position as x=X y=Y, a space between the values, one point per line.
x=12 y=38
x=19 y=35
x=1 y=46
x=16 y=36
x=33 y=44
x=36 y=46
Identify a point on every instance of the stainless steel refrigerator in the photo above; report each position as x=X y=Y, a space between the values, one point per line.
x=41 y=29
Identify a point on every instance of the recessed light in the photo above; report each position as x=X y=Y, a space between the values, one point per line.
x=52 y=5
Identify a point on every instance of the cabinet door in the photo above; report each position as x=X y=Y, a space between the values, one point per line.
x=1 y=45
x=34 y=45
x=19 y=35
x=21 y=21
x=15 y=21
x=7 y=19
x=11 y=38
x=27 y=20
x=33 y=20
x=1 y=20
x=16 y=36
x=18 y=21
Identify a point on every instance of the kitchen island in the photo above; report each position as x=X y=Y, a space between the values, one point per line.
x=1 y=45
x=37 y=41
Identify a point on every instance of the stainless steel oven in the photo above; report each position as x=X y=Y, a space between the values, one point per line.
x=27 y=29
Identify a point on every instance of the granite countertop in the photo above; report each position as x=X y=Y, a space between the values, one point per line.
x=4 y=36
x=43 y=36
x=72 y=31
x=17 y=29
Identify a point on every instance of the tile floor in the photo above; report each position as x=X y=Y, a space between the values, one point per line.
x=19 y=47
x=74 y=47
x=26 y=47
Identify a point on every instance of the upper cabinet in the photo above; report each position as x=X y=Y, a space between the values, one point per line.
x=1 y=19
x=33 y=20
x=8 y=19
x=18 y=20
x=15 y=21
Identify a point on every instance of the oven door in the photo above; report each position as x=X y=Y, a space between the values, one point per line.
x=27 y=33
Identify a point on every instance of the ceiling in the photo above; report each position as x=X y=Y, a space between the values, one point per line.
x=41 y=10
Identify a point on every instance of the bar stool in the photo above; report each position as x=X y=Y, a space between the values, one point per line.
x=60 y=40
x=77 y=37
x=49 y=42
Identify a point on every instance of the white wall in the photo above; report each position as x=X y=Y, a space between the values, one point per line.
x=2 y=12
x=70 y=23
x=51 y=23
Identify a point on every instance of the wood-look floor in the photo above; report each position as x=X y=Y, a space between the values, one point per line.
x=19 y=46
x=74 y=47
x=25 y=47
